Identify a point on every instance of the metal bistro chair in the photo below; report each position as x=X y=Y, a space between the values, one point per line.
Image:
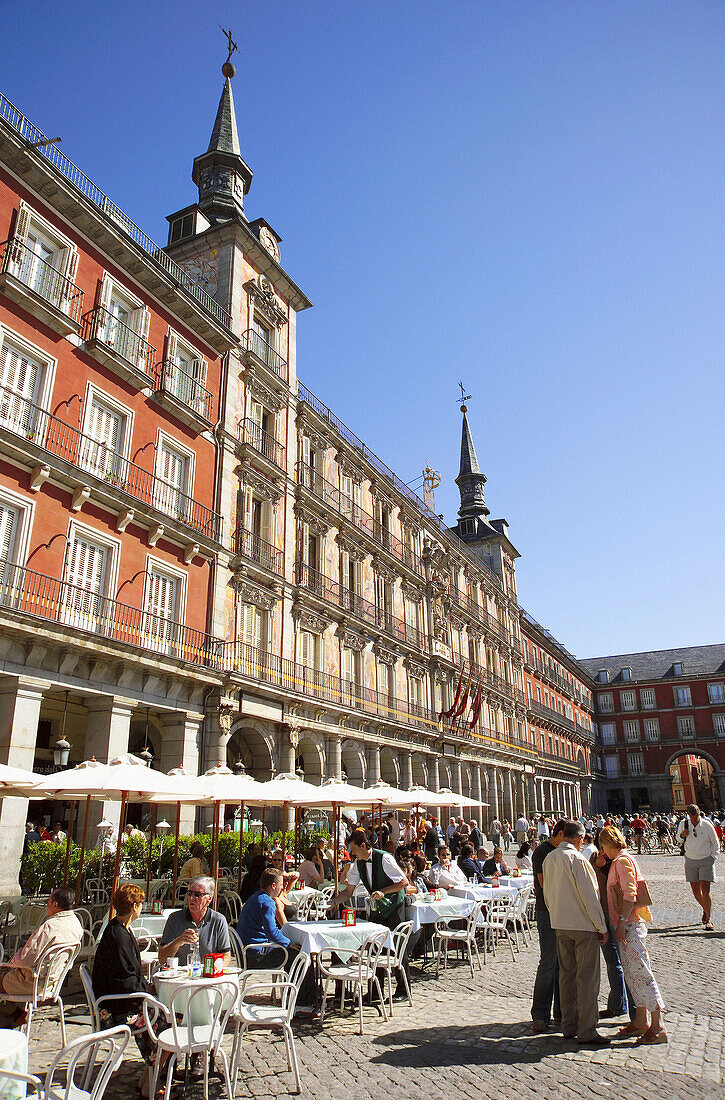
x=319 y=904
x=82 y=1055
x=269 y=1005
x=192 y=1037
x=49 y=973
x=96 y=892
x=356 y=968
x=232 y=905
x=498 y=916
x=393 y=959
x=463 y=937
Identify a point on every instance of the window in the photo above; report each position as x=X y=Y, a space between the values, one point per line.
x=25 y=380
x=88 y=569
x=106 y=426
x=180 y=228
x=611 y=765
x=173 y=468
x=162 y=608
x=383 y=600
x=349 y=497
x=716 y=693
x=682 y=696
x=631 y=730
x=628 y=700
x=309 y=648
x=652 y=729
x=262 y=339
x=415 y=691
x=15 y=523
x=44 y=259
x=185 y=375
x=718 y=724
x=122 y=323
x=686 y=727
x=386 y=681
x=351 y=662
x=635 y=763
x=605 y=703
x=261 y=425
x=253 y=626
x=647 y=698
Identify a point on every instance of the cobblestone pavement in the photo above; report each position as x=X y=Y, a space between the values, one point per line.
x=473 y=1037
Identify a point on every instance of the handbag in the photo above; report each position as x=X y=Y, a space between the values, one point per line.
x=642 y=897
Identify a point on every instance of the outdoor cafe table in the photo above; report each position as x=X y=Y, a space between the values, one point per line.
x=154 y=923
x=483 y=893
x=428 y=912
x=314 y=936
x=294 y=897
x=13 y=1057
x=518 y=883
x=167 y=982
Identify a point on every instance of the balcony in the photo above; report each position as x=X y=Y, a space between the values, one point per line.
x=41 y=289
x=252 y=435
x=468 y=604
x=256 y=664
x=340 y=597
x=248 y=545
x=33 y=595
x=261 y=352
x=552 y=716
x=120 y=347
x=490 y=679
x=184 y=396
x=38 y=436
x=350 y=510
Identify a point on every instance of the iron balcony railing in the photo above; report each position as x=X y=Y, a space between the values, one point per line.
x=104 y=328
x=259 y=347
x=444 y=534
x=171 y=379
x=551 y=715
x=52 y=154
x=252 y=546
x=467 y=603
x=60 y=440
x=350 y=510
x=250 y=432
x=42 y=278
x=333 y=592
x=487 y=678
x=256 y=664
x=35 y=595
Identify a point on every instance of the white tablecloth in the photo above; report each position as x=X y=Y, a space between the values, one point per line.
x=428 y=912
x=167 y=984
x=483 y=893
x=296 y=896
x=518 y=883
x=14 y=1057
x=314 y=936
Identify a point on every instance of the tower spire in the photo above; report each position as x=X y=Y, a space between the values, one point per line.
x=470 y=480
x=220 y=174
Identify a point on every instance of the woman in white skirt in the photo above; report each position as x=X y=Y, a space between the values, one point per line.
x=630 y=916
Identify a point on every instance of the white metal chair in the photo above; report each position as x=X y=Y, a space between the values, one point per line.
x=211 y=1003
x=393 y=959
x=96 y=892
x=49 y=973
x=30 y=916
x=463 y=937
x=82 y=1056
x=519 y=919
x=319 y=903
x=356 y=968
x=95 y=1004
x=26 y=1079
x=497 y=918
x=232 y=905
x=269 y=1004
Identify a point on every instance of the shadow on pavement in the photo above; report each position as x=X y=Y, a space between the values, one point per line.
x=501 y=1044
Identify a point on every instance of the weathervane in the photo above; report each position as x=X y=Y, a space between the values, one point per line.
x=463 y=398
x=227 y=68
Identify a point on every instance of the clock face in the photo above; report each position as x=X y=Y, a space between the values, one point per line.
x=269 y=242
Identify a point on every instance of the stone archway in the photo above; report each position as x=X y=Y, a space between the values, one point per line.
x=254 y=746
x=354 y=763
x=389 y=767
x=420 y=772
x=444 y=775
x=693 y=778
x=310 y=759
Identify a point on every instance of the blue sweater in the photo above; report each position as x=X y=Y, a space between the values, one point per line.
x=258 y=922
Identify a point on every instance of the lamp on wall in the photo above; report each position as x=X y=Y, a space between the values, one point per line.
x=61 y=749
x=145 y=754
x=238 y=768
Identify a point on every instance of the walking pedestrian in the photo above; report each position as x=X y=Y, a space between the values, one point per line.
x=572 y=896
x=699 y=839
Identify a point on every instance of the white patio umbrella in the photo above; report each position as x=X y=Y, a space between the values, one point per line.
x=459 y=799
x=336 y=793
x=16 y=781
x=219 y=786
x=286 y=789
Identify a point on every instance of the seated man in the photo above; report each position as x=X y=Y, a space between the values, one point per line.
x=60 y=927
x=257 y=923
x=196 y=923
x=445 y=873
x=472 y=869
x=495 y=865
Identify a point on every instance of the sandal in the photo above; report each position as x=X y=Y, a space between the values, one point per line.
x=709 y=926
x=651 y=1038
x=629 y=1030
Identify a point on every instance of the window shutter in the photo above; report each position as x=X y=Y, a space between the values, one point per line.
x=252 y=626
x=19 y=377
x=22 y=223
x=305 y=457
x=199 y=368
x=171 y=346
x=106 y=291
x=8 y=532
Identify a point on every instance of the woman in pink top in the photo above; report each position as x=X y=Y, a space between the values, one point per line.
x=629 y=922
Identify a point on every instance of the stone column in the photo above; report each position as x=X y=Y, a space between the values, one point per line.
x=108 y=725
x=510 y=799
x=373 y=764
x=334 y=758
x=406 y=770
x=433 y=773
x=180 y=746
x=494 y=809
x=20 y=702
x=458 y=783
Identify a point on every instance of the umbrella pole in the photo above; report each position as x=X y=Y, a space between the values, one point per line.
x=117 y=864
x=335 y=820
x=68 y=842
x=241 y=833
x=176 y=852
x=215 y=852
x=151 y=844
x=284 y=832
x=83 y=849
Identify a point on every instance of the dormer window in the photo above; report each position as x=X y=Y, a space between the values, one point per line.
x=626 y=673
x=603 y=676
x=181 y=228
x=677 y=668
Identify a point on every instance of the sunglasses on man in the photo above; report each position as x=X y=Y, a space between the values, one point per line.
x=197 y=894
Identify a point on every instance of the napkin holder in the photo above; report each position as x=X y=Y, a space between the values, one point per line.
x=213 y=966
x=156 y=908
x=436 y=894
x=349 y=917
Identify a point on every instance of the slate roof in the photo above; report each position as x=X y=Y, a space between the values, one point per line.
x=224 y=137
x=658 y=664
x=469 y=460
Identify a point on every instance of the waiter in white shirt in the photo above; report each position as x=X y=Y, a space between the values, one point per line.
x=701 y=850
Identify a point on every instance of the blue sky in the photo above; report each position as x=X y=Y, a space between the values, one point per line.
x=527 y=196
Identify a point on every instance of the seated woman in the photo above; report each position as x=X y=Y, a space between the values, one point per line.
x=311 y=871
x=495 y=865
x=285 y=909
x=416 y=887
x=117 y=969
x=445 y=874
x=250 y=882
x=523 y=858
x=327 y=859
x=195 y=865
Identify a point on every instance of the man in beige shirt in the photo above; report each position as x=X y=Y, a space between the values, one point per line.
x=60 y=927
x=571 y=893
